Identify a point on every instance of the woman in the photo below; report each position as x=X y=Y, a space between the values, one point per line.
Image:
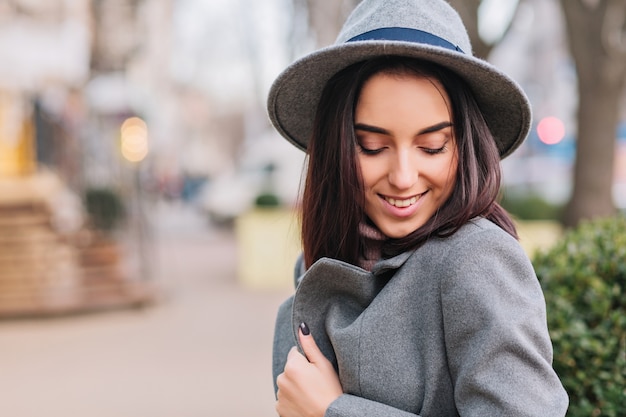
x=413 y=296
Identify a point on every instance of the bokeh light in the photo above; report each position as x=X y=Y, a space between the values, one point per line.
x=134 y=139
x=551 y=130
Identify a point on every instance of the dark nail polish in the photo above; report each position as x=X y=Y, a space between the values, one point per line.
x=305 y=329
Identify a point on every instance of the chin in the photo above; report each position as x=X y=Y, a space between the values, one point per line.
x=398 y=234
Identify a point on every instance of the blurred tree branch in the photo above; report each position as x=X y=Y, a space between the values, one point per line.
x=324 y=18
x=468 y=10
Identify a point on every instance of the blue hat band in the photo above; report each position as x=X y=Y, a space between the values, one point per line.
x=405 y=35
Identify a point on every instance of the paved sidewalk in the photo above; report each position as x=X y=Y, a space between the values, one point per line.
x=203 y=351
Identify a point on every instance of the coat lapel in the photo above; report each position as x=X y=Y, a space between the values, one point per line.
x=332 y=295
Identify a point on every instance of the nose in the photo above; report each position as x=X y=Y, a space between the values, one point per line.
x=403 y=171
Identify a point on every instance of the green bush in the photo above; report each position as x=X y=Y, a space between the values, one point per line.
x=584 y=280
x=104 y=207
x=267 y=200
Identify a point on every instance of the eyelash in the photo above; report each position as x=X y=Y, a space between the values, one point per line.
x=429 y=151
x=435 y=151
x=370 y=151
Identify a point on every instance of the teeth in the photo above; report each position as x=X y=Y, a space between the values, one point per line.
x=401 y=203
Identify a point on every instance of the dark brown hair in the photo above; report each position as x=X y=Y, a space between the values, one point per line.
x=333 y=198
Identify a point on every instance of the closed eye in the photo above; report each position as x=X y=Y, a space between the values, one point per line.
x=435 y=151
x=432 y=151
x=367 y=151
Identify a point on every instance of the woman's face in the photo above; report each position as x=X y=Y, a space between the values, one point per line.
x=406 y=150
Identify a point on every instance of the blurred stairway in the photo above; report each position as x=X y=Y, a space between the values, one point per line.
x=43 y=272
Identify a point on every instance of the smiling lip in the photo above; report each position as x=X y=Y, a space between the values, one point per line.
x=402 y=207
x=402 y=203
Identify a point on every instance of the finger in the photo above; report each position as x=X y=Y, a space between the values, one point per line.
x=309 y=347
x=293 y=351
x=295 y=360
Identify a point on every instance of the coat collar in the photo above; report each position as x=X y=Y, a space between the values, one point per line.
x=332 y=294
x=396 y=262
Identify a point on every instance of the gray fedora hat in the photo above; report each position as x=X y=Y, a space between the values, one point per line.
x=426 y=29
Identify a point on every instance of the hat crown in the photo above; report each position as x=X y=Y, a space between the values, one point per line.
x=436 y=17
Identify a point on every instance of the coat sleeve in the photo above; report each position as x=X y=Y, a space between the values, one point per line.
x=497 y=343
x=284 y=338
x=353 y=406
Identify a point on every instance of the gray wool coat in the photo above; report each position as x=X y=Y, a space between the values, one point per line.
x=455 y=328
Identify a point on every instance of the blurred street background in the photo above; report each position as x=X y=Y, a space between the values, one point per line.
x=203 y=349
x=147 y=228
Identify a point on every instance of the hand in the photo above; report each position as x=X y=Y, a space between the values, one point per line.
x=306 y=387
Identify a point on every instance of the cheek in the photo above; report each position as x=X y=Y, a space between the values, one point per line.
x=370 y=172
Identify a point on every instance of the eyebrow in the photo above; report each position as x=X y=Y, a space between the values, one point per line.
x=380 y=130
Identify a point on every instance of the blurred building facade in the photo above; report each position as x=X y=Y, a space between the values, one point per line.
x=63 y=184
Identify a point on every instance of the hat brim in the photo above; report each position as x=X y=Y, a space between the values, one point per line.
x=294 y=95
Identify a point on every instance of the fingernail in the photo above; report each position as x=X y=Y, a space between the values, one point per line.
x=305 y=329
